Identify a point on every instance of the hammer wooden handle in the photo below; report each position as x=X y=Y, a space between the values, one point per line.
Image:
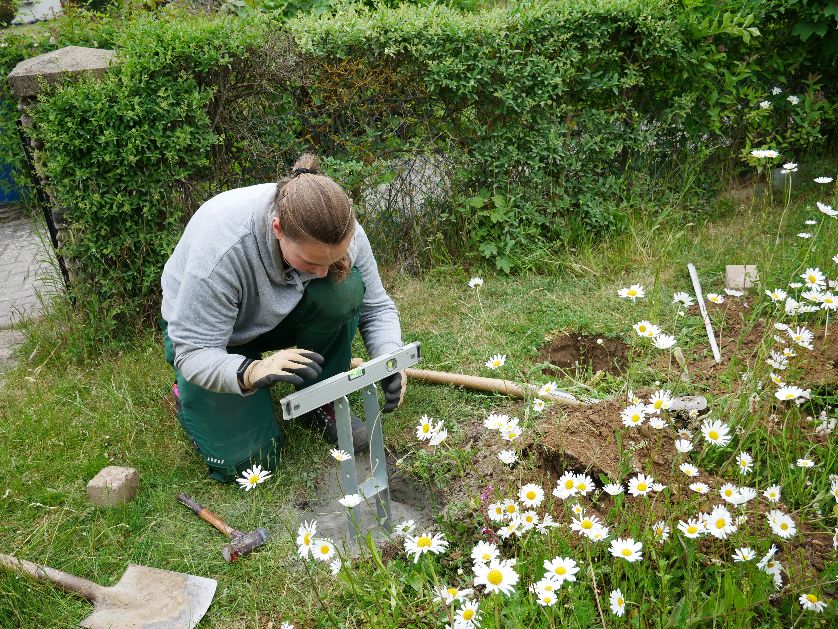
x=208 y=516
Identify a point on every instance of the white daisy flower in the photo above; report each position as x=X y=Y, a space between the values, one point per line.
x=627 y=549
x=598 y=533
x=577 y=509
x=633 y=292
x=789 y=167
x=763 y=563
x=561 y=569
x=618 y=603
x=777 y=360
x=829 y=301
x=335 y=566
x=811 y=602
x=794 y=100
x=807 y=222
x=814 y=278
x=475 y=282
x=781 y=524
x=720 y=523
x=716 y=432
x=538 y=405
x=565 y=486
x=613 y=489
x=683 y=445
x=745 y=462
x=405 y=527
x=531 y=495
x=658 y=423
x=660 y=401
x=351 y=500
x=548 y=389
x=826 y=209
x=804 y=463
x=660 y=531
x=765 y=104
x=776 y=90
x=323 y=549
x=340 y=455
x=468 y=615
x=699 y=488
x=546 y=599
x=689 y=469
x=646 y=329
x=440 y=434
x=484 y=552
x=252 y=477
x=682 y=298
x=509 y=457
x=640 y=485
x=511 y=432
x=425 y=428
x=496 y=576
x=305 y=538
x=496 y=361
x=743 y=554
x=634 y=415
x=729 y=492
x=823 y=179
x=691 y=528
x=450 y=594
x=425 y=543
x=778 y=294
x=790 y=393
x=765 y=153
x=776 y=379
x=496 y=512
x=804 y=235
x=585 y=524
x=664 y=341
x=772 y=493
x=715 y=298
x=495 y=421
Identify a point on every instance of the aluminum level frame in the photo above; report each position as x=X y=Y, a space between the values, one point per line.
x=336 y=389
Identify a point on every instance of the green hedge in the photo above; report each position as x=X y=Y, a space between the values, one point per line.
x=550 y=117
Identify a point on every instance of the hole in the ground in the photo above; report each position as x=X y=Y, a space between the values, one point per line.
x=571 y=351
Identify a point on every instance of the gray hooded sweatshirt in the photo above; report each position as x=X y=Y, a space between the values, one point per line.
x=226 y=284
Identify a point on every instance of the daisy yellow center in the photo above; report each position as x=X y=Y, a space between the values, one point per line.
x=426 y=428
x=635 y=418
x=468 y=614
x=547 y=598
x=641 y=486
x=495 y=577
x=692 y=528
x=548 y=588
x=812 y=279
x=811 y=598
x=307 y=539
x=659 y=531
x=324 y=549
x=487 y=556
x=620 y=601
x=658 y=403
x=453 y=591
x=642 y=328
x=728 y=492
x=424 y=542
x=581 y=486
x=530 y=495
x=568 y=484
x=253 y=479
x=784 y=526
x=626 y=552
x=510 y=509
x=714 y=435
x=720 y=523
x=586 y=524
x=529 y=518
x=632 y=292
x=561 y=570
x=498 y=510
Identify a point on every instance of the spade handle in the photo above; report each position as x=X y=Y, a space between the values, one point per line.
x=69 y=582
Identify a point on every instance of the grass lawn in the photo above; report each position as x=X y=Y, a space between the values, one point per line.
x=61 y=422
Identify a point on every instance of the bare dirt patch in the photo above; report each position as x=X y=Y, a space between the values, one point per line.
x=570 y=351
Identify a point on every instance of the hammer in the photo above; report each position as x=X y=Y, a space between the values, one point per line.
x=240 y=544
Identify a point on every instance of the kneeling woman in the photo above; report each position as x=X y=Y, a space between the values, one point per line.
x=270 y=267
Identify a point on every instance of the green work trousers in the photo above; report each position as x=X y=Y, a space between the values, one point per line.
x=233 y=432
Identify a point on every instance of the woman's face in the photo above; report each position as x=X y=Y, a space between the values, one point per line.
x=309 y=256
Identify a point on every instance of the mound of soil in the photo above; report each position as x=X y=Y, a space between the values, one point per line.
x=571 y=351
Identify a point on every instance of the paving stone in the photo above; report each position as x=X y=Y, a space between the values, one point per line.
x=113 y=485
x=740 y=276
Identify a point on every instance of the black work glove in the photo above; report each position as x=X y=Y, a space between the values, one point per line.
x=287 y=365
x=393 y=387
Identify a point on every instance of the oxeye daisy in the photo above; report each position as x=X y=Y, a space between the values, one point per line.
x=699 y=488
x=511 y=432
x=778 y=294
x=732 y=292
x=716 y=432
x=496 y=361
x=811 y=602
x=682 y=298
x=538 y=405
x=743 y=554
x=305 y=538
x=776 y=379
x=781 y=524
x=351 y=500
x=618 y=603
x=689 y=469
x=424 y=543
x=496 y=512
x=496 y=421
x=484 y=551
x=613 y=489
x=548 y=389
x=405 y=527
x=577 y=509
x=660 y=401
x=425 y=428
x=646 y=329
x=627 y=549
x=715 y=298
x=777 y=360
x=789 y=393
x=640 y=485
x=683 y=445
x=340 y=455
x=745 y=462
x=510 y=508
x=561 y=569
x=439 y=435
x=720 y=523
x=633 y=292
x=496 y=576
x=584 y=524
x=634 y=415
x=691 y=528
x=508 y=457
x=584 y=484
x=323 y=549
x=661 y=531
x=448 y=595
x=468 y=615
x=772 y=493
x=546 y=599
x=252 y=477
x=531 y=495
x=658 y=423
x=565 y=486
x=827 y=209
x=805 y=463
x=664 y=341
x=475 y=282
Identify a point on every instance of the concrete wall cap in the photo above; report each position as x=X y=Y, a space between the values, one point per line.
x=70 y=60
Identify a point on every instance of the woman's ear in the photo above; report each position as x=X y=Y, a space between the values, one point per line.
x=276 y=226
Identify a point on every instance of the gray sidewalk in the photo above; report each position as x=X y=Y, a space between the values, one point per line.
x=26 y=266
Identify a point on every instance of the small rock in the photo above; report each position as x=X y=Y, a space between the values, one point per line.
x=741 y=276
x=113 y=485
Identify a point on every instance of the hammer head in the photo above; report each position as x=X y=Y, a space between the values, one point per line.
x=242 y=544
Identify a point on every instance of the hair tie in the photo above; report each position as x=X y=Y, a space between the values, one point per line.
x=302 y=171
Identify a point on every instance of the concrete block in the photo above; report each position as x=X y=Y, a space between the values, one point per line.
x=741 y=276
x=51 y=66
x=113 y=485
